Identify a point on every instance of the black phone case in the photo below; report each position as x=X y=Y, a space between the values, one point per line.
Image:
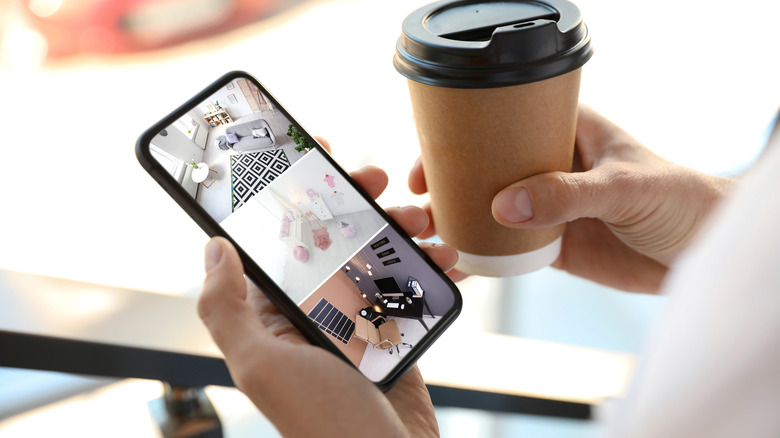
x=274 y=293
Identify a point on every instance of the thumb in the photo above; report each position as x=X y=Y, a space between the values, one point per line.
x=554 y=198
x=222 y=305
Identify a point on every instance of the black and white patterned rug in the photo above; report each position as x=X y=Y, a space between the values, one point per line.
x=250 y=172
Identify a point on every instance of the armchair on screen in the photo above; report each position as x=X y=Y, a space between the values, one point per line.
x=384 y=337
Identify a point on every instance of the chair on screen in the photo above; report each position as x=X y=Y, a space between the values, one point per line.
x=385 y=337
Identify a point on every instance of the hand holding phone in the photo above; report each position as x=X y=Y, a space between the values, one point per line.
x=308 y=235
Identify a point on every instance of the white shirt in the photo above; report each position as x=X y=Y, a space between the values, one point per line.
x=712 y=365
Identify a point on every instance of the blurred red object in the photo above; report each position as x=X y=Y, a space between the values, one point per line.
x=113 y=26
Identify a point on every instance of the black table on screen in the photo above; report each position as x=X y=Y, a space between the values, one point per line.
x=409 y=310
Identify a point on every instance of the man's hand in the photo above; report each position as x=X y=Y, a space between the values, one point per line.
x=629 y=212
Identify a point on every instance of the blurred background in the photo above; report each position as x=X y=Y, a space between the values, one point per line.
x=694 y=80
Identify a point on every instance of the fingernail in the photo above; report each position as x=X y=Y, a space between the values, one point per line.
x=213 y=254
x=514 y=205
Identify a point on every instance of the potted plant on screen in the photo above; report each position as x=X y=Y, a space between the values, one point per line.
x=303 y=144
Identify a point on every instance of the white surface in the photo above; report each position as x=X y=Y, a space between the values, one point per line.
x=74 y=310
x=121 y=410
x=201 y=134
x=201 y=173
x=507 y=266
x=527 y=367
x=23 y=390
x=93 y=414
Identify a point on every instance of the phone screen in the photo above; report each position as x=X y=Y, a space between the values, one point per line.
x=267 y=184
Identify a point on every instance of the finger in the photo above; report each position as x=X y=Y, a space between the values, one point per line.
x=591 y=250
x=456 y=275
x=222 y=306
x=444 y=256
x=431 y=230
x=323 y=142
x=558 y=197
x=593 y=135
x=417 y=178
x=615 y=161
x=412 y=402
x=412 y=219
x=372 y=179
x=598 y=139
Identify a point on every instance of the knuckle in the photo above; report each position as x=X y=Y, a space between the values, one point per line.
x=571 y=191
x=624 y=183
x=622 y=177
x=205 y=305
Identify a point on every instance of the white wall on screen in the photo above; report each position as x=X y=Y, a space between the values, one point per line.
x=179 y=145
x=309 y=173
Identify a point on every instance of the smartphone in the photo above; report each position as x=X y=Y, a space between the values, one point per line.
x=339 y=268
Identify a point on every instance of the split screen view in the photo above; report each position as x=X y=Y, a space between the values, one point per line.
x=304 y=225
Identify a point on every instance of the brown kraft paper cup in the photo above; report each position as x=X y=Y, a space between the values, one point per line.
x=494 y=87
x=476 y=142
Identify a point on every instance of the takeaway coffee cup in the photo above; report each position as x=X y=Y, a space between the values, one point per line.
x=494 y=88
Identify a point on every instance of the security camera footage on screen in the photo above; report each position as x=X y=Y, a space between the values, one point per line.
x=245 y=163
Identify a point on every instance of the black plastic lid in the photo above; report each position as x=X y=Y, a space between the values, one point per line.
x=484 y=44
